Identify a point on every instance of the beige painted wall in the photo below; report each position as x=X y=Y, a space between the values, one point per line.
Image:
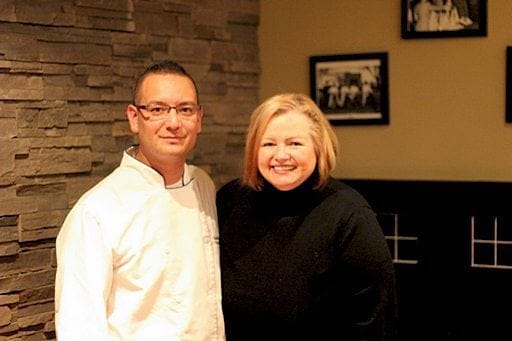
x=447 y=96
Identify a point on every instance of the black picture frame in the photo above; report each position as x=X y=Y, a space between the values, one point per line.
x=464 y=18
x=508 y=85
x=337 y=87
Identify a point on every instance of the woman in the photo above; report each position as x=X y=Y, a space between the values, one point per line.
x=302 y=254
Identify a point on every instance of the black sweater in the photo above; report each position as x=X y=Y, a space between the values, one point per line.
x=303 y=265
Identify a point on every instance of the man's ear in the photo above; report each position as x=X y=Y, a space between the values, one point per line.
x=133 y=118
x=199 y=115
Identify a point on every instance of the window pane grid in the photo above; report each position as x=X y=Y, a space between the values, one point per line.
x=403 y=248
x=490 y=252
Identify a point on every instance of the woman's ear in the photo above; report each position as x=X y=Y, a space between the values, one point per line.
x=133 y=118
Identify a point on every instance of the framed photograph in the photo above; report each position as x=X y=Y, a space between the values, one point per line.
x=443 y=18
x=508 y=94
x=351 y=89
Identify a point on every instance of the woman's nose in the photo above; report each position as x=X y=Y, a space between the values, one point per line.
x=282 y=153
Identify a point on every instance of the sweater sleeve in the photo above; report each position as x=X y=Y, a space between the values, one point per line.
x=371 y=279
x=224 y=199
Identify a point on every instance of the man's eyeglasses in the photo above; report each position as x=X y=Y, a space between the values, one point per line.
x=156 y=112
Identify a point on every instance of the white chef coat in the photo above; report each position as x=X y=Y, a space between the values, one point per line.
x=137 y=260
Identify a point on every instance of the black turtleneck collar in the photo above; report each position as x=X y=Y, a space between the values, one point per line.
x=298 y=201
x=306 y=186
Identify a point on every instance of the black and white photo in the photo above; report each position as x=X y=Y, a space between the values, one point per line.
x=351 y=88
x=443 y=18
x=508 y=85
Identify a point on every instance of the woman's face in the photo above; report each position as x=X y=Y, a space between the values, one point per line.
x=286 y=155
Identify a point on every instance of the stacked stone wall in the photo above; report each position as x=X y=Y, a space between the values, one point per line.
x=66 y=72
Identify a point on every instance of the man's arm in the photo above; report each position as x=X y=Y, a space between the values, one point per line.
x=84 y=277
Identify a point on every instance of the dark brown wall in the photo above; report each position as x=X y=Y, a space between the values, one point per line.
x=66 y=71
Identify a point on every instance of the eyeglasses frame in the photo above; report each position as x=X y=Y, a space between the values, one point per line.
x=197 y=108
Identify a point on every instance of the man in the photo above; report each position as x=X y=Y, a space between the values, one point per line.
x=138 y=254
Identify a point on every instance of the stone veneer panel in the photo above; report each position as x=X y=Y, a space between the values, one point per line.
x=66 y=72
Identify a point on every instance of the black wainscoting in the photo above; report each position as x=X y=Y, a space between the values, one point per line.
x=452 y=244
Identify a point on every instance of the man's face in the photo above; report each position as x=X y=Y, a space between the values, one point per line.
x=172 y=138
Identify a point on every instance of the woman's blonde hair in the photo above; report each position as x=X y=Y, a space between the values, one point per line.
x=324 y=138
